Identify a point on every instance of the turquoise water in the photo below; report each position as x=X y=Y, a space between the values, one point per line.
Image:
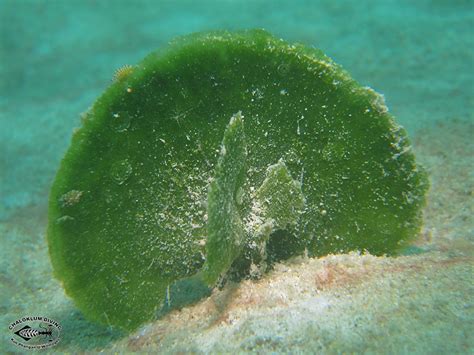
x=56 y=57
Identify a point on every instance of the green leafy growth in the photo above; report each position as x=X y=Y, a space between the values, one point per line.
x=280 y=197
x=277 y=206
x=131 y=206
x=225 y=231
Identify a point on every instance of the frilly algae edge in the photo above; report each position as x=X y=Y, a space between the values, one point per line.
x=217 y=156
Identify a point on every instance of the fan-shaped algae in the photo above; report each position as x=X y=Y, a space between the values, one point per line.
x=214 y=152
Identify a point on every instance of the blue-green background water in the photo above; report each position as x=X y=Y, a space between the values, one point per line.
x=57 y=56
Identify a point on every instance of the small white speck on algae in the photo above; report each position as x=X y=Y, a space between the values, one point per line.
x=64 y=219
x=121 y=171
x=120 y=121
x=70 y=198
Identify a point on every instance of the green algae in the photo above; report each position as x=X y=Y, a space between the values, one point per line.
x=158 y=186
x=225 y=229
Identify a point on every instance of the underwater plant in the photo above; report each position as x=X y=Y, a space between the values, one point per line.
x=214 y=158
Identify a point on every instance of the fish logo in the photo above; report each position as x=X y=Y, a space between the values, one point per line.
x=35 y=332
x=28 y=333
